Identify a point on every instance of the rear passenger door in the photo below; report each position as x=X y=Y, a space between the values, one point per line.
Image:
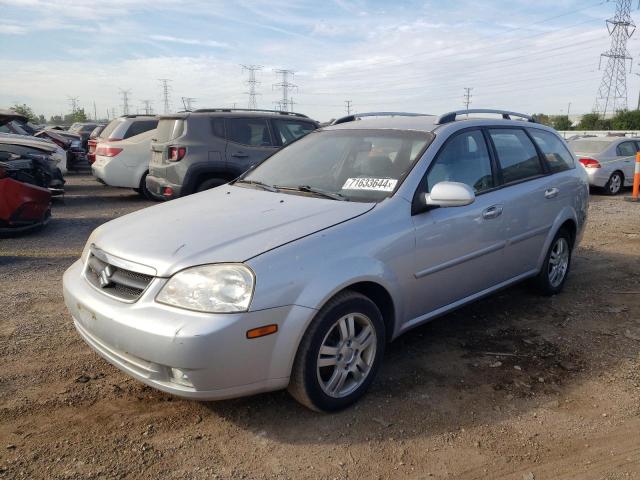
x=530 y=197
x=249 y=142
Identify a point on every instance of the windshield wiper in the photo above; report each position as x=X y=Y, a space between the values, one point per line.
x=264 y=186
x=315 y=191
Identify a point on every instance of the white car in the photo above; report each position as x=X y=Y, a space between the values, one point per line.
x=125 y=163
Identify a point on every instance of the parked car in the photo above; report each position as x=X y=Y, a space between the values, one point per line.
x=125 y=163
x=84 y=130
x=40 y=160
x=24 y=203
x=121 y=128
x=609 y=161
x=298 y=273
x=195 y=151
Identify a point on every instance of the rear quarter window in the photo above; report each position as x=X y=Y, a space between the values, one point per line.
x=136 y=128
x=556 y=155
x=169 y=129
x=516 y=153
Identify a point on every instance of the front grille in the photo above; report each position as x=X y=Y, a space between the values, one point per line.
x=115 y=281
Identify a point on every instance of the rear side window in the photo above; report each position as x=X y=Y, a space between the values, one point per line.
x=217 y=124
x=289 y=130
x=111 y=127
x=517 y=155
x=136 y=128
x=169 y=129
x=464 y=158
x=249 y=131
x=626 y=149
x=558 y=157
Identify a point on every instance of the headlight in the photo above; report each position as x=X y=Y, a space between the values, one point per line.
x=221 y=288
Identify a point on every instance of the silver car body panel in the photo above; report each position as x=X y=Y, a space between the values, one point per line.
x=303 y=251
x=610 y=161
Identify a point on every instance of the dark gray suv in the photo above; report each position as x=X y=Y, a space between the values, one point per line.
x=195 y=151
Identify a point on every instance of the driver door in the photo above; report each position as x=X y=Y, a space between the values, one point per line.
x=459 y=250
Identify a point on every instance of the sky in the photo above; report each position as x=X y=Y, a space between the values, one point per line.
x=415 y=56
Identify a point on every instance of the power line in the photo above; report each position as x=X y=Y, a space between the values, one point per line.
x=467 y=97
x=347 y=105
x=125 y=101
x=73 y=102
x=187 y=103
x=613 y=87
x=286 y=86
x=252 y=83
x=166 y=88
x=148 y=110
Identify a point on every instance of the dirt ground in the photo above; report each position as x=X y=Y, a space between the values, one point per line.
x=513 y=387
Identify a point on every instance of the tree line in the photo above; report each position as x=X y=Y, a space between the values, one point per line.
x=622 y=120
x=77 y=116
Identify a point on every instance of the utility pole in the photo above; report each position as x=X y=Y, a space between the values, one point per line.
x=286 y=86
x=252 y=83
x=568 y=109
x=467 y=97
x=612 y=94
x=73 y=102
x=113 y=112
x=165 y=93
x=186 y=103
x=125 y=101
x=95 y=111
x=147 y=107
x=347 y=105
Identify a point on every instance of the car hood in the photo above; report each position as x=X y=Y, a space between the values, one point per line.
x=226 y=224
x=26 y=140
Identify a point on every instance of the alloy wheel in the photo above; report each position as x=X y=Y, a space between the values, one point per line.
x=615 y=183
x=346 y=355
x=558 y=261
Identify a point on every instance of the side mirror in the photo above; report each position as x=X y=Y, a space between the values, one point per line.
x=450 y=194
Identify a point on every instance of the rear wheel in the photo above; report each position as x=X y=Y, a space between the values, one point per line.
x=210 y=183
x=555 y=269
x=142 y=190
x=340 y=353
x=615 y=183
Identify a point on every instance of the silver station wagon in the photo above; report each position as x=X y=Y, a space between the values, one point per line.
x=298 y=273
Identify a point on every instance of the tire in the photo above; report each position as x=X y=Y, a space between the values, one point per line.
x=142 y=190
x=615 y=183
x=553 y=276
x=348 y=371
x=210 y=183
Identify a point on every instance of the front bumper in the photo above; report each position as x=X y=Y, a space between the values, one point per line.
x=147 y=340
x=157 y=187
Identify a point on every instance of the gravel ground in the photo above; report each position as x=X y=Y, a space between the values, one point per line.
x=512 y=387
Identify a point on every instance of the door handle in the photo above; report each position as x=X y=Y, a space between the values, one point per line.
x=551 y=192
x=239 y=155
x=492 y=212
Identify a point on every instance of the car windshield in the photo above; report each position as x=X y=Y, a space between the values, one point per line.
x=589 y=146
x=356 y=165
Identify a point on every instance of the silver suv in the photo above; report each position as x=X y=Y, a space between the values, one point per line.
x=298 y=273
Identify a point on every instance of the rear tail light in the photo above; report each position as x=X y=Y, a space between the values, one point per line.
x=177 y=153
x=167 y=192
x=590 y=163
x=107 y=151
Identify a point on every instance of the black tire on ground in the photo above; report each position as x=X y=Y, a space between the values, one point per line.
x=615 y=183
x=210 y=183
x=142 y=190
x=305 y=384
x=547 y=282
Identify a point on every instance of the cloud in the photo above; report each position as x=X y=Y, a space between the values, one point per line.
x=189 y=41
x=11 y=29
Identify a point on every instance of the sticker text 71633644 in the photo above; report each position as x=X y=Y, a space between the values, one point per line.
x=377 y=184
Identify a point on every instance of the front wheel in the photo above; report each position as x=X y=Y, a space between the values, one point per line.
x=555 y=269
x=340 y=353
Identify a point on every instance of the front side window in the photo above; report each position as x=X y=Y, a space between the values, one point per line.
x=465 y=159
x=290 y=130
x=558 y=157
x=357 y=165
x=517 y=155
x=248 y=131
x=626 y=149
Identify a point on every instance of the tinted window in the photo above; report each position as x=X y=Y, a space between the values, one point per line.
x=626 y=149
x=290 y=130
x=557 y=156
x=517 y=155
x=139 y=127
x=464 y=158
x=249 y=131
x=218 y=127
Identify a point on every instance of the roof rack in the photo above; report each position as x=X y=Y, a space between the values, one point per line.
x=355 y=116
x=134 y=115
x=506 y=115
x=209 y=110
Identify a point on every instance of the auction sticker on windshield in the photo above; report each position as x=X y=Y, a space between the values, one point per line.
x=378 y=184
